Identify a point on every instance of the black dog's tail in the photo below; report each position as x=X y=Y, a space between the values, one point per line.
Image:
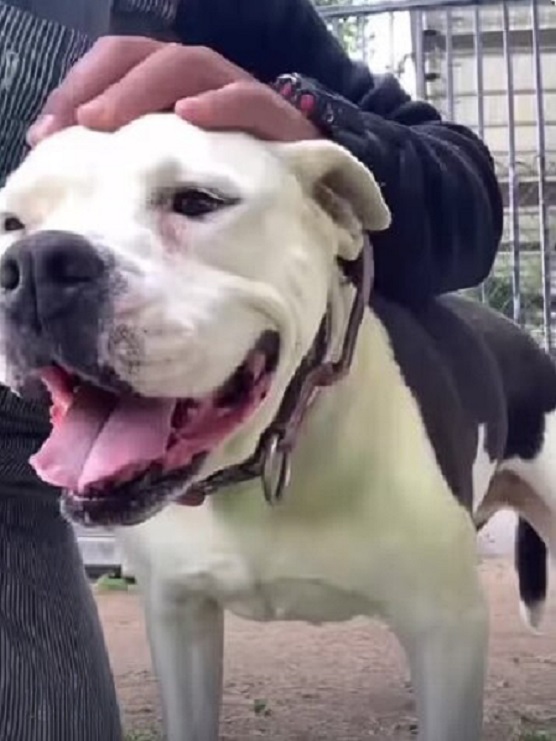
x=531 y=563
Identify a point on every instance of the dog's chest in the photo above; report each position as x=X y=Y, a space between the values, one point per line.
x=276 y=571
x=372 y=552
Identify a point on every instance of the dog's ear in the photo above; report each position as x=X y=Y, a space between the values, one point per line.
x=342 y=186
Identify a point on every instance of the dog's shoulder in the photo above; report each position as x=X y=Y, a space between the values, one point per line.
x=438 y=340
x=527 y=372
x=452 y=374
x=519 y=357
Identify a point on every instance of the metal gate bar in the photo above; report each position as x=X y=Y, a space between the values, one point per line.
x=492 y=66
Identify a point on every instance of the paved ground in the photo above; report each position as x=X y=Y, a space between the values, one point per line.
x=290 y=682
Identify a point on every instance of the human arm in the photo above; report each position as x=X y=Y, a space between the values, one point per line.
x=437 y=177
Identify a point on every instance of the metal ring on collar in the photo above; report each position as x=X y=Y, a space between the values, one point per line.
x=276 y=470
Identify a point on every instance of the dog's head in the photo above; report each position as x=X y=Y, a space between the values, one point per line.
x=165 y=283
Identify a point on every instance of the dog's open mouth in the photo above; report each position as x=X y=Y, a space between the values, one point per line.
x=119 y=457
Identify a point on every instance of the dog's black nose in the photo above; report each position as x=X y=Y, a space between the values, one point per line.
x=53 y=299
x=49 y=260
x=48 y=273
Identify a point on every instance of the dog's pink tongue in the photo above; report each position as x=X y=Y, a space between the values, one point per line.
x=101 y=437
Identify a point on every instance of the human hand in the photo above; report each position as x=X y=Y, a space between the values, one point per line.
x=122 y=78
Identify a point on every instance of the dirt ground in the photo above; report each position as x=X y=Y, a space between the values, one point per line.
x=290 y=682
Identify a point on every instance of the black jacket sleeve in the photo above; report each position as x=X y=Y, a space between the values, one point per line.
x=438 y=178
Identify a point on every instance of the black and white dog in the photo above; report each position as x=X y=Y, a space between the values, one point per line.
x=183 y=296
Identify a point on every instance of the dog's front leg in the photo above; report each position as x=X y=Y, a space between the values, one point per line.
x=187 y=642
x=448 y=659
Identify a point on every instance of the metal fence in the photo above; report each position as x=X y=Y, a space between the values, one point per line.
x=491 y=66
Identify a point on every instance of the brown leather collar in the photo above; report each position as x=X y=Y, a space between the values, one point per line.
x=272 y=458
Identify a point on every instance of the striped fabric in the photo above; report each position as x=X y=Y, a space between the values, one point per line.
x=145 y=18
x=161 y=9
x=35 y=55
x=23 y=427
x=55 y=679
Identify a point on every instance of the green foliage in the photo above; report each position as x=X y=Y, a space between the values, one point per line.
x=111 y=583
x=348 y=29
x=261 y=708
x=498 y=291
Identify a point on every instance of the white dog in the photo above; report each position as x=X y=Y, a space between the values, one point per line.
x=179 y=293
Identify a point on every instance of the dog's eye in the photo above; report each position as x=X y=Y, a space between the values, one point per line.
x=194 y=203
x=11 y=223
